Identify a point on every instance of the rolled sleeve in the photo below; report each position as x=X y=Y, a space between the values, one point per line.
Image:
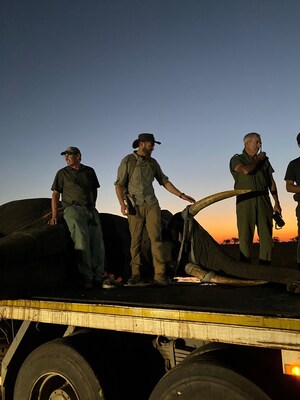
x=122 y=174
x=235 y=160
x=161 y=178
x=57 y=184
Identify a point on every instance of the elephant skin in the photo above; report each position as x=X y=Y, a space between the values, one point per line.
x=34 y=254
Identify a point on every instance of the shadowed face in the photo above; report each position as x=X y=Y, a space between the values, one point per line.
x=72 y=160
x=146 y=147
x=253 y=145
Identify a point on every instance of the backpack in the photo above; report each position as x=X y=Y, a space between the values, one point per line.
x=131 y=163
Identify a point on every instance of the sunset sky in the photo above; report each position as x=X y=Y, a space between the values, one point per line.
x=198 y=74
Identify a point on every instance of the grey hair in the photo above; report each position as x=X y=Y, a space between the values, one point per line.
x=250 y=136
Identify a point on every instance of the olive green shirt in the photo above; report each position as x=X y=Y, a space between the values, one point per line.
x=259 y=180
x=76 y=185
x=139 y=185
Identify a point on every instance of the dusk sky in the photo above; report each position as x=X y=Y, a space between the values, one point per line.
x=198 y=74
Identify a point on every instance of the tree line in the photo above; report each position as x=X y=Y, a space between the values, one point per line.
x=235 y=240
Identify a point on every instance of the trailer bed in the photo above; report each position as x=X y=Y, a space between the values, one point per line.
x=264 y=300
x=262 y=316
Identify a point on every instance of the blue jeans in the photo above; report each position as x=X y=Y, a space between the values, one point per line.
x=86 y=233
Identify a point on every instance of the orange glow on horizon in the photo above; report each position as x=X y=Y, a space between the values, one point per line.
x=220 y=223
x=286 y=236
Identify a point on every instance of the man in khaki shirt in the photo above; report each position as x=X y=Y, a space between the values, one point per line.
x=135 y=192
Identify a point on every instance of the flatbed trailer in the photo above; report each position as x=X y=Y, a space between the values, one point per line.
x=187 y=340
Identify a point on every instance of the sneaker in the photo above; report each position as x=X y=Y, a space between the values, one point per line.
x=109 y=284
x=161 y=280
x=134 y=280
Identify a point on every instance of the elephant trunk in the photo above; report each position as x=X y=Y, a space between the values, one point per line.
x=205 y=276
x=209 y=254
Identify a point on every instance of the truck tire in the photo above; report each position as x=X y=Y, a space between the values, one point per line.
x=205 y=381
x=55 y=370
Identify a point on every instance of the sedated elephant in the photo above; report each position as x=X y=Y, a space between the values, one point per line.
x=35 y=254
x=205 y=252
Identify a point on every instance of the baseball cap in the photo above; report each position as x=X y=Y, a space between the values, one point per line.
x=71 y=150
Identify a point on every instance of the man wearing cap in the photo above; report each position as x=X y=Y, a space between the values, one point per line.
x=78 y=184
x=135 y=192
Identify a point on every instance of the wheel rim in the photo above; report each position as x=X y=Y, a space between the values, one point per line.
x=52 y=386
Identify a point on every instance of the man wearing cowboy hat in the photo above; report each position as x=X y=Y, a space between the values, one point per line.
x=135 y=192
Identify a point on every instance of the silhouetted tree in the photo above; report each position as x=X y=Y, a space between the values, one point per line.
x=232 y=240
x=226 y=241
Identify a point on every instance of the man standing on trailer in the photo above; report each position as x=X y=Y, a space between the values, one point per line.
x=135 y=192
x=252 y=170
x=292 y=181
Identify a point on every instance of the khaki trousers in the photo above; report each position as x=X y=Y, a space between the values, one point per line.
x=147 y=216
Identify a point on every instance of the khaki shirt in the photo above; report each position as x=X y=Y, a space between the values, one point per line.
x=140 y=185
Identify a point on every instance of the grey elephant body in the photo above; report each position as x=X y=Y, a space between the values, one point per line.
x=35 y=254
x=212 y=256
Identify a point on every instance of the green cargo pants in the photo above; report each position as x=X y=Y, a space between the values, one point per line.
x=251 y=213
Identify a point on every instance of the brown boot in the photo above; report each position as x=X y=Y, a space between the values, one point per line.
x=161 y=280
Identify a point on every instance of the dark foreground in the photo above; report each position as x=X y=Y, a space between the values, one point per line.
x=268 y=300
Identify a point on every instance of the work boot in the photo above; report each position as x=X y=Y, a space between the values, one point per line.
x=264 y=262
x=134 y=280
x=97 y=283
x=161 y=280
x=244 y=258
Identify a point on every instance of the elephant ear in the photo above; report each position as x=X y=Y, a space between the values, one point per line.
x=18 y=215
x=207 y=201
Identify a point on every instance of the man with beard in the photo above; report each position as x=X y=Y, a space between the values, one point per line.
x=135 y=192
